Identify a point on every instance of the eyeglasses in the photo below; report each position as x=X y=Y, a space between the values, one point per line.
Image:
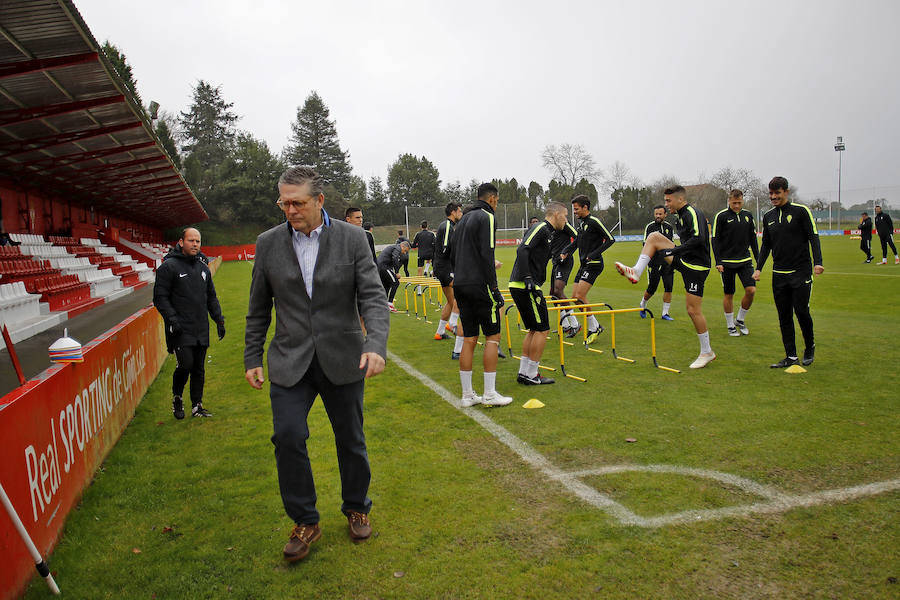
x=289 y=204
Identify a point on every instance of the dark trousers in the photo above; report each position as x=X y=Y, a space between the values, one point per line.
x=344 y=405
x=390 y=282
x=887 y=240
x=191 y=362
x=791 y=294
x=865 y=244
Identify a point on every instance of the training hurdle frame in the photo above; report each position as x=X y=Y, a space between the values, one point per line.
x=612 y=314
x=427 y=284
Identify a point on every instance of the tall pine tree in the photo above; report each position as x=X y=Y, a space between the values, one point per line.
x=314 y=142
x=208 y=134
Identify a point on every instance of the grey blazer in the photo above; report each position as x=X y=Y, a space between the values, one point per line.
x=345 y=285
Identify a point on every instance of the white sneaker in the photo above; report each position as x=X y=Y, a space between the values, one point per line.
x=733 y=332
x=470 y=399
x=391 y=307
x=627 y=272
x=703 y=360
x=495 y=399
x=742 y=327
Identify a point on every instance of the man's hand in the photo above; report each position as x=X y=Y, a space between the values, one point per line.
x=720 y=268
x=818 y=269
x=562 y=257
x=529 y=284
x=497 y=264
x=173 y=328
x=756 y=275
x=220 y=329
x=498 y=297
x=255 y=377
x=372 y=362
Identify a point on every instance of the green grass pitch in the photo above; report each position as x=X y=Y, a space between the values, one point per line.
x=190 y=509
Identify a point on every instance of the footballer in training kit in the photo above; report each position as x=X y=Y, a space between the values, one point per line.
x=593 y=240
x=563 y=244
x=477 y=295
x=733 y=239
x=691 y=259
x=444 y=274
x=525 y=281
x=658 y=268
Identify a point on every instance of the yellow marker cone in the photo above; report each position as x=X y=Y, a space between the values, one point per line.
x=795 y=369
x=533 y=403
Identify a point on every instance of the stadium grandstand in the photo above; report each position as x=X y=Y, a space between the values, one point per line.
x=86 y=192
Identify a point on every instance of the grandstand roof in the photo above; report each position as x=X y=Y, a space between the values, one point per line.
x=70 y=126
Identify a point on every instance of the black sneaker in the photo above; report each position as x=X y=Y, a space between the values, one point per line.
x=177 y=407
x=199 y=411
x=523 y=379
x=454 y=355
x=868 y=260
x=809 y=355
x=541 y=380
x=574 y=331
x=785 y=362
x=500 y=353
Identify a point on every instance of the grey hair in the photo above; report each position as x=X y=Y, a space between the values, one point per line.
x=554 y=207
x=404 y=243
x=302 y=174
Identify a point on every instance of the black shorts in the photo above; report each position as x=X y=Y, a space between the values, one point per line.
x=744 y=272
x=659 y=271
x=443 y=275
x=477 y=309
x=693 y=277
x=562 y=269
x=420 y=261
x=589 y=271
x=532 y=308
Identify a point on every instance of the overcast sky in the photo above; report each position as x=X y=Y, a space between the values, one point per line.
x=480 y=88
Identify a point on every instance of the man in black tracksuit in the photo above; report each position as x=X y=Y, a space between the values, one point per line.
x=865 y=236
x=477 y=295
x=525 y=281
x=885 y=228
x=733 y=239
x=424 y=242
x=593 y=240
x=367 y=227
x=184 y=294
x=789 y=231
x=658 y=268
x=388 y=263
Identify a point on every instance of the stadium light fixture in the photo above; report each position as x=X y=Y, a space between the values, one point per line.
x=839 y=148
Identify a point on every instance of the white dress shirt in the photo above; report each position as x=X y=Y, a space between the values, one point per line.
x=307 y=249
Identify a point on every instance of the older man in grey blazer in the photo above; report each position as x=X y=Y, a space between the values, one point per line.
x=320 y=276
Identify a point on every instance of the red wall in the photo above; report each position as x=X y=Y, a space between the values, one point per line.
x=30 y=211
x=57 y=429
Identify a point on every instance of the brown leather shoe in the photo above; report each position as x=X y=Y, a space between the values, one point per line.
x=302 y=537
x=360 y=529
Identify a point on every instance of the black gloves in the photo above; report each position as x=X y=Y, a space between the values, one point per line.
x=220 y=329
x=173 y=329
x=498 y=297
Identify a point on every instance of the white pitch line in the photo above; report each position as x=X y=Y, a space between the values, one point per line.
x=778 y=501
x=862 y=274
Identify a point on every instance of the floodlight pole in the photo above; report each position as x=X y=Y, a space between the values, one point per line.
x=839 y=148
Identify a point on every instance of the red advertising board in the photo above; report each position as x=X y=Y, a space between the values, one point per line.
x=242 y=252
x=57 y=429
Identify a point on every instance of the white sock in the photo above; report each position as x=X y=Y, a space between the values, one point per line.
x=523 y=365
x=666 y=306
x=742 y=314
x=465 y=377
x=532 y=368
x=729 y=319
x=572 y=321
x=643 y=302
x=457 y=347
x=440 y=328
x=643 y=261
x=593 y=325
x=454 y=318
x=490 y=381
x=705 y=348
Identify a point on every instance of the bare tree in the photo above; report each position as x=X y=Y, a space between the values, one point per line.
x=570 y=163
x=618 y=176
x=729 y=179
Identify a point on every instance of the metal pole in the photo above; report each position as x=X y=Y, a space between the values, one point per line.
x=39 y=563
x=620 y=217
x=406 y=211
